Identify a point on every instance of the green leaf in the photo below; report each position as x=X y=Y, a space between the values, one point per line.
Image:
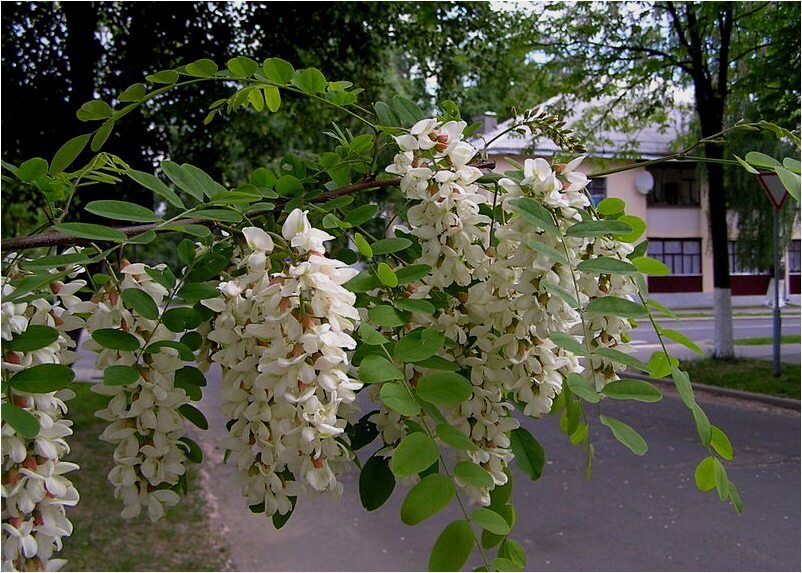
x=453 y=437
x=101 y=135
x=190 y=375
x=412 y=273
x=683 y=385
x=704 y=475
x=548 y=251
x=376 y=483
x=721 y=443
x=792 y=164
x=361 y=215
x=514 y=552
x=473 y=474
x=611 y=206
x=191 y=340
x=256 y=98
x=444 y=388
x=607 y=265
x=490 y=521
x=42 y=378
x=32 y=169
x=36 y=336
x=535 y=213
x=207 y=267
x=582 y=388
x=190 y=229
x=166 y=278
x=224 y=215
x=746 y=166
x=438 y=363
x=272 y=98
x=242 y=66
x=385 y=114
x=202 y=68
x=194 y=292
x=427 y=498
x=278 y=71
x=385 y=273
x=638 y=228
x=650 y=266
x=156 y=185
x=181 y=318
x=568 y=342
x=682 y=339
x=194 y=415
x=735 y=497
x=615 y=306
x=182 y=179
x=703 y=427
x=119 y=375
x=625 y=434
x=406 y=110
x=623 y=358
x=141 y=302
x=415 y=305
x=371 y=336
x=184 y=352
x=504 y=564
x=116 y=339
x=660 y=364
x=94 y=110
x=415 y=453
x=311 y=81
x=68 y=153
x=23 y=422
x=203 y=181
x=628 y=389
x=91 y=231
x=396 y=397
x=790 y=180
x=529 y=454
x=563 y=294
x=761 y=160
x=386 y=246
x=363 y=282
x=163 y=77
x=374 y=369
x=192 y=450
x=453 y=547
x=598 y=228
x=133 y=93
x=418 y=345
x=386 y=315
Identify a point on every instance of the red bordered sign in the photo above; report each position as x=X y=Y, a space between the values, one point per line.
x=774 y=188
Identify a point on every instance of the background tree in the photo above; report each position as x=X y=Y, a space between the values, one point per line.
x=639 y=54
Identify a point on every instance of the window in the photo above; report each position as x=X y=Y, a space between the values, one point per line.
x=674 y=186
x=597 y=188
x=794 y=256
x=682 y=256
x=736 y=268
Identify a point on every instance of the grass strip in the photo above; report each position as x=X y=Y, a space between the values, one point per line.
x=745 y=374
x=768 y=340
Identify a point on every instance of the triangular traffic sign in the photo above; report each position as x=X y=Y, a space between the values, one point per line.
x=773 y=187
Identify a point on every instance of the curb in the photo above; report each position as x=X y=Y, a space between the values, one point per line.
x=787 y=403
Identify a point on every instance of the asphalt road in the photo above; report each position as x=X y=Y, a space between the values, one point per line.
x=634 y=514
x=699 y=329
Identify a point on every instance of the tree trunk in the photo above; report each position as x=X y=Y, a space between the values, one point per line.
x=717 y=206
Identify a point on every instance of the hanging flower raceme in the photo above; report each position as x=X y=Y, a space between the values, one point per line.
x=143 y=414
x=282 y=339
x=35 y=488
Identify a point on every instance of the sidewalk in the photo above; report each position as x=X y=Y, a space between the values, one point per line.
x=703 y=303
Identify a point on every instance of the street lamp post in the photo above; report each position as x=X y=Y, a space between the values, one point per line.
x=777 y=194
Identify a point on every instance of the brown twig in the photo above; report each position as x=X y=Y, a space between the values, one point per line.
x=56 y=239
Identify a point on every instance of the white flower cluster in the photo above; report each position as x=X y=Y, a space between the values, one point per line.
x=35 y=490
x=282 y=339
x=145 y=424
x=503 y=320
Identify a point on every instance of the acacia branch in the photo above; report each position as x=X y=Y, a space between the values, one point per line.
x=57 y=239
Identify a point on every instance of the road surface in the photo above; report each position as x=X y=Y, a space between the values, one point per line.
x=634 y=514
